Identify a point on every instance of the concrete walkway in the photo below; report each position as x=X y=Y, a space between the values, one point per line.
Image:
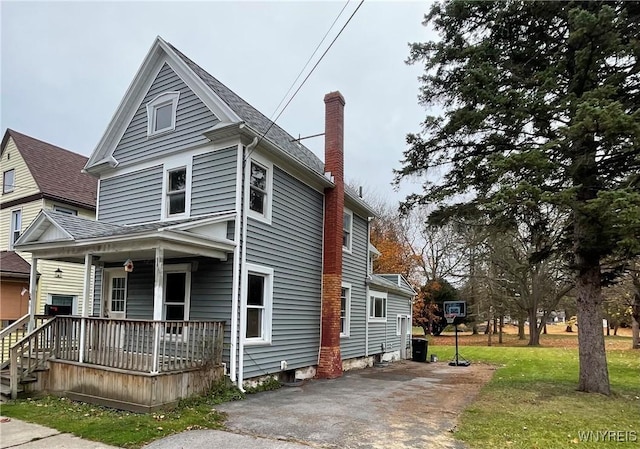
x=23 y=435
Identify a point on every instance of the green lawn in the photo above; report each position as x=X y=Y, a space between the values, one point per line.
x=532 y=401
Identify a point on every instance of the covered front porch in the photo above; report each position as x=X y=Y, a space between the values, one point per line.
x=153 y=330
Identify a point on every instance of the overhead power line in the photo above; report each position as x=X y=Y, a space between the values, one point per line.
x=312 y=69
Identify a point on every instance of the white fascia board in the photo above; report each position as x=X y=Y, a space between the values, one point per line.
x=147 y=239
x=209 y=219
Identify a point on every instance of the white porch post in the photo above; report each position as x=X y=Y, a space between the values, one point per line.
x=33 y=287
x=88 y=258
x=158 y=294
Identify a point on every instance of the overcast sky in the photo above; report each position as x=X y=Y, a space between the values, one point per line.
x=66 y=66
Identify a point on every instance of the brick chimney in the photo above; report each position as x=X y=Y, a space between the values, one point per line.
x=330 y=361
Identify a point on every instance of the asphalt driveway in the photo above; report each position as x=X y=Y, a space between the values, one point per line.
x=403 y=405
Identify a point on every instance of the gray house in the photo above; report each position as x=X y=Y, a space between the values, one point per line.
x=207 y=212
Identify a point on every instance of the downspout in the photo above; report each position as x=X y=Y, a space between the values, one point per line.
x=243 y=259
x=235 y=289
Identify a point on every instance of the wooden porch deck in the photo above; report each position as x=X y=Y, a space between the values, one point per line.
x=133 y=364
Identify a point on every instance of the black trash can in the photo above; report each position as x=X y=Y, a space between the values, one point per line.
x=419 y=346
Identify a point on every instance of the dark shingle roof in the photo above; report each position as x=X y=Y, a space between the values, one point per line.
x=255 y=118
x=12 y=263
x=58 y=172
x=83 y=228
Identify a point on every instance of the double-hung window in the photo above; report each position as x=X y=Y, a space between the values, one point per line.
x=377 y=306
x=16 y=225
x=161 y=113
x=176 y=191
x=259 y=292
x=347 y=230
x=260 y=185
x=345 y=309
x=8 y=181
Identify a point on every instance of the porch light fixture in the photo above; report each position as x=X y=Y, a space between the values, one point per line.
x=128 y=266
x=58 y=273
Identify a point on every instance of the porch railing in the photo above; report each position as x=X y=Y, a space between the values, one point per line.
x=134 y=345
x=11 y=334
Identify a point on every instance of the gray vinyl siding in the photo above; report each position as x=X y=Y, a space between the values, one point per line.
x=132 y=198
x=211 y=291
x=192 y=118
x=97 y=293
x=354 y=271
x=292 y=247
x=211 y=288
x=213 y=185
x=140 y=282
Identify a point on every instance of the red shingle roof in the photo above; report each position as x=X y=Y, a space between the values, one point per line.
x=12 y=264
x=58 y=172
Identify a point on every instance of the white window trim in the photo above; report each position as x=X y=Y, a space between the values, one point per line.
x=74 y=305
x=12 y=186
x=107 y=275
x=187 y=164
x=399 y=324
x=381 y=295
x=348 y=248
x=162 y=100
x=65 y=210
x=13 y=241
x=347 y=315
x=268 y=304
x=177 y=268
x=266 y=216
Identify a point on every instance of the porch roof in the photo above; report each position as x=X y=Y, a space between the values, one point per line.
x=384 y=283
x=59 y=236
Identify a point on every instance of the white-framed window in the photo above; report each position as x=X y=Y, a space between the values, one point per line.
x=345 y=309
x=176 y=196
x=16 y=226
x=399 y=324
x=259 y=191
x=177 y=291
x=347 y=230
x=118 y=294
x=161 y=113
x=377 y=306
x=8 y=181
x=258 y=304
x=63 y=300
x=65 y=210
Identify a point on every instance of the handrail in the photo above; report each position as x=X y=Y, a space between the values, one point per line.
x=12 y=333
x=144 y=346
x=30 y=354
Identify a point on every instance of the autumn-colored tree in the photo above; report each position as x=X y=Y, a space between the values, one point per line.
x=427 y=308
x=388 y=237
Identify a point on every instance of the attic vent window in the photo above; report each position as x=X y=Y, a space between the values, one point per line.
x=161 y=113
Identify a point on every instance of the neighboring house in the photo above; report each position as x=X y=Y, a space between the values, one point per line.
x=37 y=175
x=14 y=287
x=208 y=211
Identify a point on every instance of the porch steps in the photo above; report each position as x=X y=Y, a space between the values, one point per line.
x=5 y=384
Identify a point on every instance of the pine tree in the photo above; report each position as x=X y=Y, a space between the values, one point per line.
x=534 y=105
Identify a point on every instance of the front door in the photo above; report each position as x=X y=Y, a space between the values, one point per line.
x=115 y=293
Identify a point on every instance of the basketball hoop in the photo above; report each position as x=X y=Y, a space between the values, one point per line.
x=450 y=317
